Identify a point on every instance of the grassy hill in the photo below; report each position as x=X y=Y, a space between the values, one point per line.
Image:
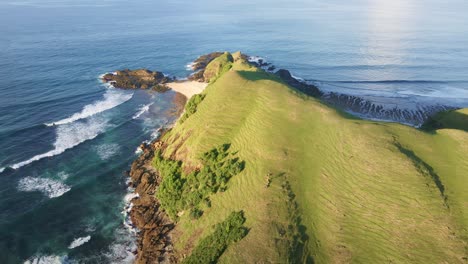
x=320 y=185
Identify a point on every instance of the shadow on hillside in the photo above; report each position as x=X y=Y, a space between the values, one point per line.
x=259 y=75
x=424 y=168
x=452 y=119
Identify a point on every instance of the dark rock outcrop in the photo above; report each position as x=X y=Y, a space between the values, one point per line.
x=308 y=89
x=138 y=79
x=154 y=238
x=199 y=65
x=201 y=62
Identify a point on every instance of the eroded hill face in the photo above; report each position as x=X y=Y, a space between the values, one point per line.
x=318 y=184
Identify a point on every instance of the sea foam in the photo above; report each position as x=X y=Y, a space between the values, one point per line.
x=189 y=66
x=143 y=109
x=256 y=59
x=112 y=98
x=79 y=241
x=47 y=260
x=49 y=187
x=106 y=151
x=69 y=136
x=121 y=251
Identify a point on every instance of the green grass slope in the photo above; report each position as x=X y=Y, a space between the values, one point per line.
x=320 y=185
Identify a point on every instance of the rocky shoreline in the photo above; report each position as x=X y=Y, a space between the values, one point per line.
x=154 y=226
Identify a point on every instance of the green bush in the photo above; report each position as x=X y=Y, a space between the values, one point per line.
x=195 y=213
x=191 y=106
x=178 y=191
x=212 y=247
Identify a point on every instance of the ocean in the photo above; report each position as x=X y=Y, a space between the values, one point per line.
x=66 y=139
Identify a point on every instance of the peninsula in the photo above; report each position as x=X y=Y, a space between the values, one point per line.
x=261 y=169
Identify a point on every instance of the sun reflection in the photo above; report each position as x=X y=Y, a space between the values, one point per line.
x=388 y=23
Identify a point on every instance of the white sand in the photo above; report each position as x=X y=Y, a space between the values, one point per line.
x=187 y=88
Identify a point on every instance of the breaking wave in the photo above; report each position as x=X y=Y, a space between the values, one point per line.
x=142 y=110
x=79 y=241
x=69 y=136
x=112 y=98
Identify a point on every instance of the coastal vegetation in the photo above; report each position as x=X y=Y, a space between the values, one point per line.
x=191 y=106
x=318 y=185
x=181 y=191
x=217 y=67
x=211 y=247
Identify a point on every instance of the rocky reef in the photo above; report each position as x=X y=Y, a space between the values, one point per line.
x=138 y=79
x=412 y=114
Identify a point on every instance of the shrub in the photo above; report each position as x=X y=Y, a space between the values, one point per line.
x=179 y=191
x=195 y=213
x=212 y=247
x=191 y=106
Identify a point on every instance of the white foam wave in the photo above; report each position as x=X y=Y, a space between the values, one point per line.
x=106 y=151
x=122 y=250
x=2 y=169
x=47 y=260
x=112 y=98
x=189 y=66
x=128 y=208
x=143 y=109
x=297 y=77
x=138 y=151
x=69 y=136
x=256 y=59
x=49 y=187
x=79 y=241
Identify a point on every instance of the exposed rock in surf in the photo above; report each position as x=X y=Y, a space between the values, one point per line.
x=308 y=89
x=154 y=239
x=138 y=79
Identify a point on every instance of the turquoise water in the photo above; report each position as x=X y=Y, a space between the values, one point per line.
x=64 y=199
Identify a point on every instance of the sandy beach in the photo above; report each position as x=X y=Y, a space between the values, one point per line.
x=187 y=88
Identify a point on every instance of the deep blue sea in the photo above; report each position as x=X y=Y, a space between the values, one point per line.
x=68 y=139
